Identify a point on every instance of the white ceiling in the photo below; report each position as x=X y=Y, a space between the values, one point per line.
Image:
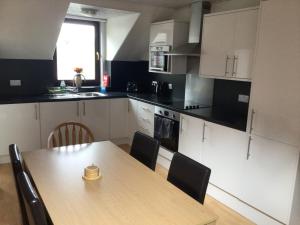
x=163 y=3
x=101 y=13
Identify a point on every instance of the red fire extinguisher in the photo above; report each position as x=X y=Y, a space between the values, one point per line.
x=105 y=82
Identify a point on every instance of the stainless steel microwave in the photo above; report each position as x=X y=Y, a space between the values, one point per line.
x=159 y=61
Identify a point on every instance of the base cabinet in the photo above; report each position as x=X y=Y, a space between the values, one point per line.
x=269 y=177
x=95 y=115
x=118 y=118
x=191 y=137
x=19 y=125
x=141 y=118
x=225 y=152
x=54 y=113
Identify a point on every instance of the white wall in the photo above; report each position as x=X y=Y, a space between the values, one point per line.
x=29 y=29
x=117 y=30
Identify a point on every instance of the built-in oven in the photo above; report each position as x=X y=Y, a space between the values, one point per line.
x=166 y=128
x=159 y=61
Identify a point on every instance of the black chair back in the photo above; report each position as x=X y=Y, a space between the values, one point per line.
x=189 y=176
x=34 y=208
x=17 y=166
x=145 y=149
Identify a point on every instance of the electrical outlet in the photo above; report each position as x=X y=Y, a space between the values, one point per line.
x=243 y=98
x=170 y=86
x=15 y=82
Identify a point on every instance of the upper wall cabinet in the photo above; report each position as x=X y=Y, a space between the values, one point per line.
x=164 y=36
x=228 y=42
x=276 y=76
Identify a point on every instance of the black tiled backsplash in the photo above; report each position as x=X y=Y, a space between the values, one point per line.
x=35 y=76
x=226 y=95
x=123 y=71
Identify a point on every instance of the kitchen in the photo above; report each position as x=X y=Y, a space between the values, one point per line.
x=217 y=85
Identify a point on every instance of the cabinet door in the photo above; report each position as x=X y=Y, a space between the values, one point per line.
x=146 y=118
x=270 y=177
x=162 y=33
x=118 y=118
x=95 y=115
x=244 y=42
x=132 y=118
x=225 y=152
x=217 y=44
x=19 y=125
x=275 y=88
x=54 y=113
x=191 y=137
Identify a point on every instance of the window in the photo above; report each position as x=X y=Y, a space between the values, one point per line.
x=78 y=46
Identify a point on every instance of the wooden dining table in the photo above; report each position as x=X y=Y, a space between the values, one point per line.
x=128 y=193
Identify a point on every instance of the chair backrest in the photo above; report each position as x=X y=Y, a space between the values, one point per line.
x=70 y=133
x=189 y=176
x=145 y=149
x=17 y=166
x=34 y=208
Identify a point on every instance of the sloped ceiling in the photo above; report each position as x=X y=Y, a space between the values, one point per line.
x=29 y=28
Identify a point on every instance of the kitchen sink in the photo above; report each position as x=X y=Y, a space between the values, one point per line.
x=90 y=94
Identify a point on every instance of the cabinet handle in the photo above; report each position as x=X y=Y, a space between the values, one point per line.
x=226 y=65
x=77 y=108
x=36 y=112
x=203 y=132
x=83 y=108
x=234 y=66
x=249 y=147
x=251 y=120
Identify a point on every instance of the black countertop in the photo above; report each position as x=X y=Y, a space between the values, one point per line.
x=218 y=115
x=215 y=114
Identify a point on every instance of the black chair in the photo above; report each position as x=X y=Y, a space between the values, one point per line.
x=145 y=149
x=34 y=208
x=189 y=176
x=17 y=166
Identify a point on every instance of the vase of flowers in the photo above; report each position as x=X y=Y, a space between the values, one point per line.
x=78 y=77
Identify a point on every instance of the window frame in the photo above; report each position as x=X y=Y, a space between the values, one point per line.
x=95 y=82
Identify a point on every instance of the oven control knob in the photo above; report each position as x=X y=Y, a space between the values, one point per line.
x=160 y=112
x=197 y=106
x=166 y=113
x=174 y=117
x=194 y=107
x=186 y=107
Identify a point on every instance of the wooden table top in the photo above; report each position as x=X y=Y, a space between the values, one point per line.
x=127 y=194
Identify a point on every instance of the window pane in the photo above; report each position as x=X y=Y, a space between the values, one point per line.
x=76 y=48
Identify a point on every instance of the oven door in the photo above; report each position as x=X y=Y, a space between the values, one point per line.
x=167 y=132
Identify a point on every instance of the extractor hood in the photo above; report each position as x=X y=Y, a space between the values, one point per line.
x=193 y=47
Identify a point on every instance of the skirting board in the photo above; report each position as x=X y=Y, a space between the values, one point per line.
x=4 y=159
x=240 y=207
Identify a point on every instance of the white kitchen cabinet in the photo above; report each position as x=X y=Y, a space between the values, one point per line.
x=169 y=32
x=146 y=118
x=19 y=125
x=132 y=118
x=191 y=137
x=269 y=178
x=225 y=153
x=54 y=113
x=118 y=118
x=228 y=43
x=95 y=115
x=141 y=118
x=275 y=88
x=217 y=45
